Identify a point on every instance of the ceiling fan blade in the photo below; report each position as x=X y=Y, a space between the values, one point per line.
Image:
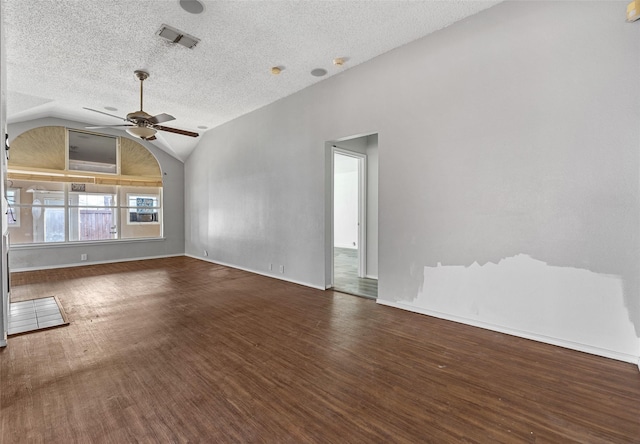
x=106 y=114
x=106 y=126
x=160 y=118
x=150 y=138
x=176 y=131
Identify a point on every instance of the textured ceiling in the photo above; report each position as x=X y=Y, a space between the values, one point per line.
x=63 y=55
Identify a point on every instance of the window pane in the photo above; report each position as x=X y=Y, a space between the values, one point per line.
x=93 y=196
x=92 y=200
x=87 y=224
x=23 y=233
x=139 y=230
x=38 y=224
x=142 y=216
x=53 y=224
x=92 y=152
x=40 y=220
x=143 y=209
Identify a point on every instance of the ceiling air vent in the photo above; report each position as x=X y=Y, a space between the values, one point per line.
x=176 y=36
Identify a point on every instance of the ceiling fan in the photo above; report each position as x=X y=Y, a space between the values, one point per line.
x=143 y=125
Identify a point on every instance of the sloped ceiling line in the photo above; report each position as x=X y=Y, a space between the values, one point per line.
x=64 y=55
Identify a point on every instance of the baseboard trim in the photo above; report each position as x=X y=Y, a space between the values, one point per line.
x=632 y=359
x=85 y=263
x=274 y=276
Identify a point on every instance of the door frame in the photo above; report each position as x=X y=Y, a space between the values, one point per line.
x=362 y=208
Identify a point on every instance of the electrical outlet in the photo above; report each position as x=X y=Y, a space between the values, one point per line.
x=206 y=253
x=281 y=268
x=83 y=257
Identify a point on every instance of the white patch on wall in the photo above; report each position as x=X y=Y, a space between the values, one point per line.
x=527 y=295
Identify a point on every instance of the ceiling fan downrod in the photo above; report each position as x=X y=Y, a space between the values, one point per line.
x=142 y=75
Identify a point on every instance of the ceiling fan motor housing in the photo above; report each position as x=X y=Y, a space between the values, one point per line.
x=138 y=116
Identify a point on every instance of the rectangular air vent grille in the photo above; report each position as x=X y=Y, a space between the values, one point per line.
x=176 y=36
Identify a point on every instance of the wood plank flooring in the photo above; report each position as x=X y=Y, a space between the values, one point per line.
x=181 y=350
x=345 y=274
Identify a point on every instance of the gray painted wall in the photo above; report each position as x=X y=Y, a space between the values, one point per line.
x=508 y=171
x=26 y=257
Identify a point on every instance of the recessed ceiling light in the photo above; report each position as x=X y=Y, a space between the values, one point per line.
x=192 y=6
x=111 y=108
x=276 y=70
x=319 y=72
x=203 y=127
x=338 y=61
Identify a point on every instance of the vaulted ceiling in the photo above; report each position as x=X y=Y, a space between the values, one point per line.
x=64 y=55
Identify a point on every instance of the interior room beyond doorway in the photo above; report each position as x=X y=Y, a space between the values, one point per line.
x=355 y=216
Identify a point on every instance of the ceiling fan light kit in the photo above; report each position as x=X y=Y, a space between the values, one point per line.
x=142 y=132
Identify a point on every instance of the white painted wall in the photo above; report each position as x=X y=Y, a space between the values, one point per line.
x=25 y=257
x=512 y=134
x=345 y=216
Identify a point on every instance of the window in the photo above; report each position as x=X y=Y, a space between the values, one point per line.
x=92 y=152
x=70 y=185
x=92 y=215
x=13 y=215
x=56 y=212
x=143 y=209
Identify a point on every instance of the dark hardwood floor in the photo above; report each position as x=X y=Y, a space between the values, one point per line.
x=345 y=274
x=181 y=350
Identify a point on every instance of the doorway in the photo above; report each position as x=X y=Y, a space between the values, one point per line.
x=354 y=216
